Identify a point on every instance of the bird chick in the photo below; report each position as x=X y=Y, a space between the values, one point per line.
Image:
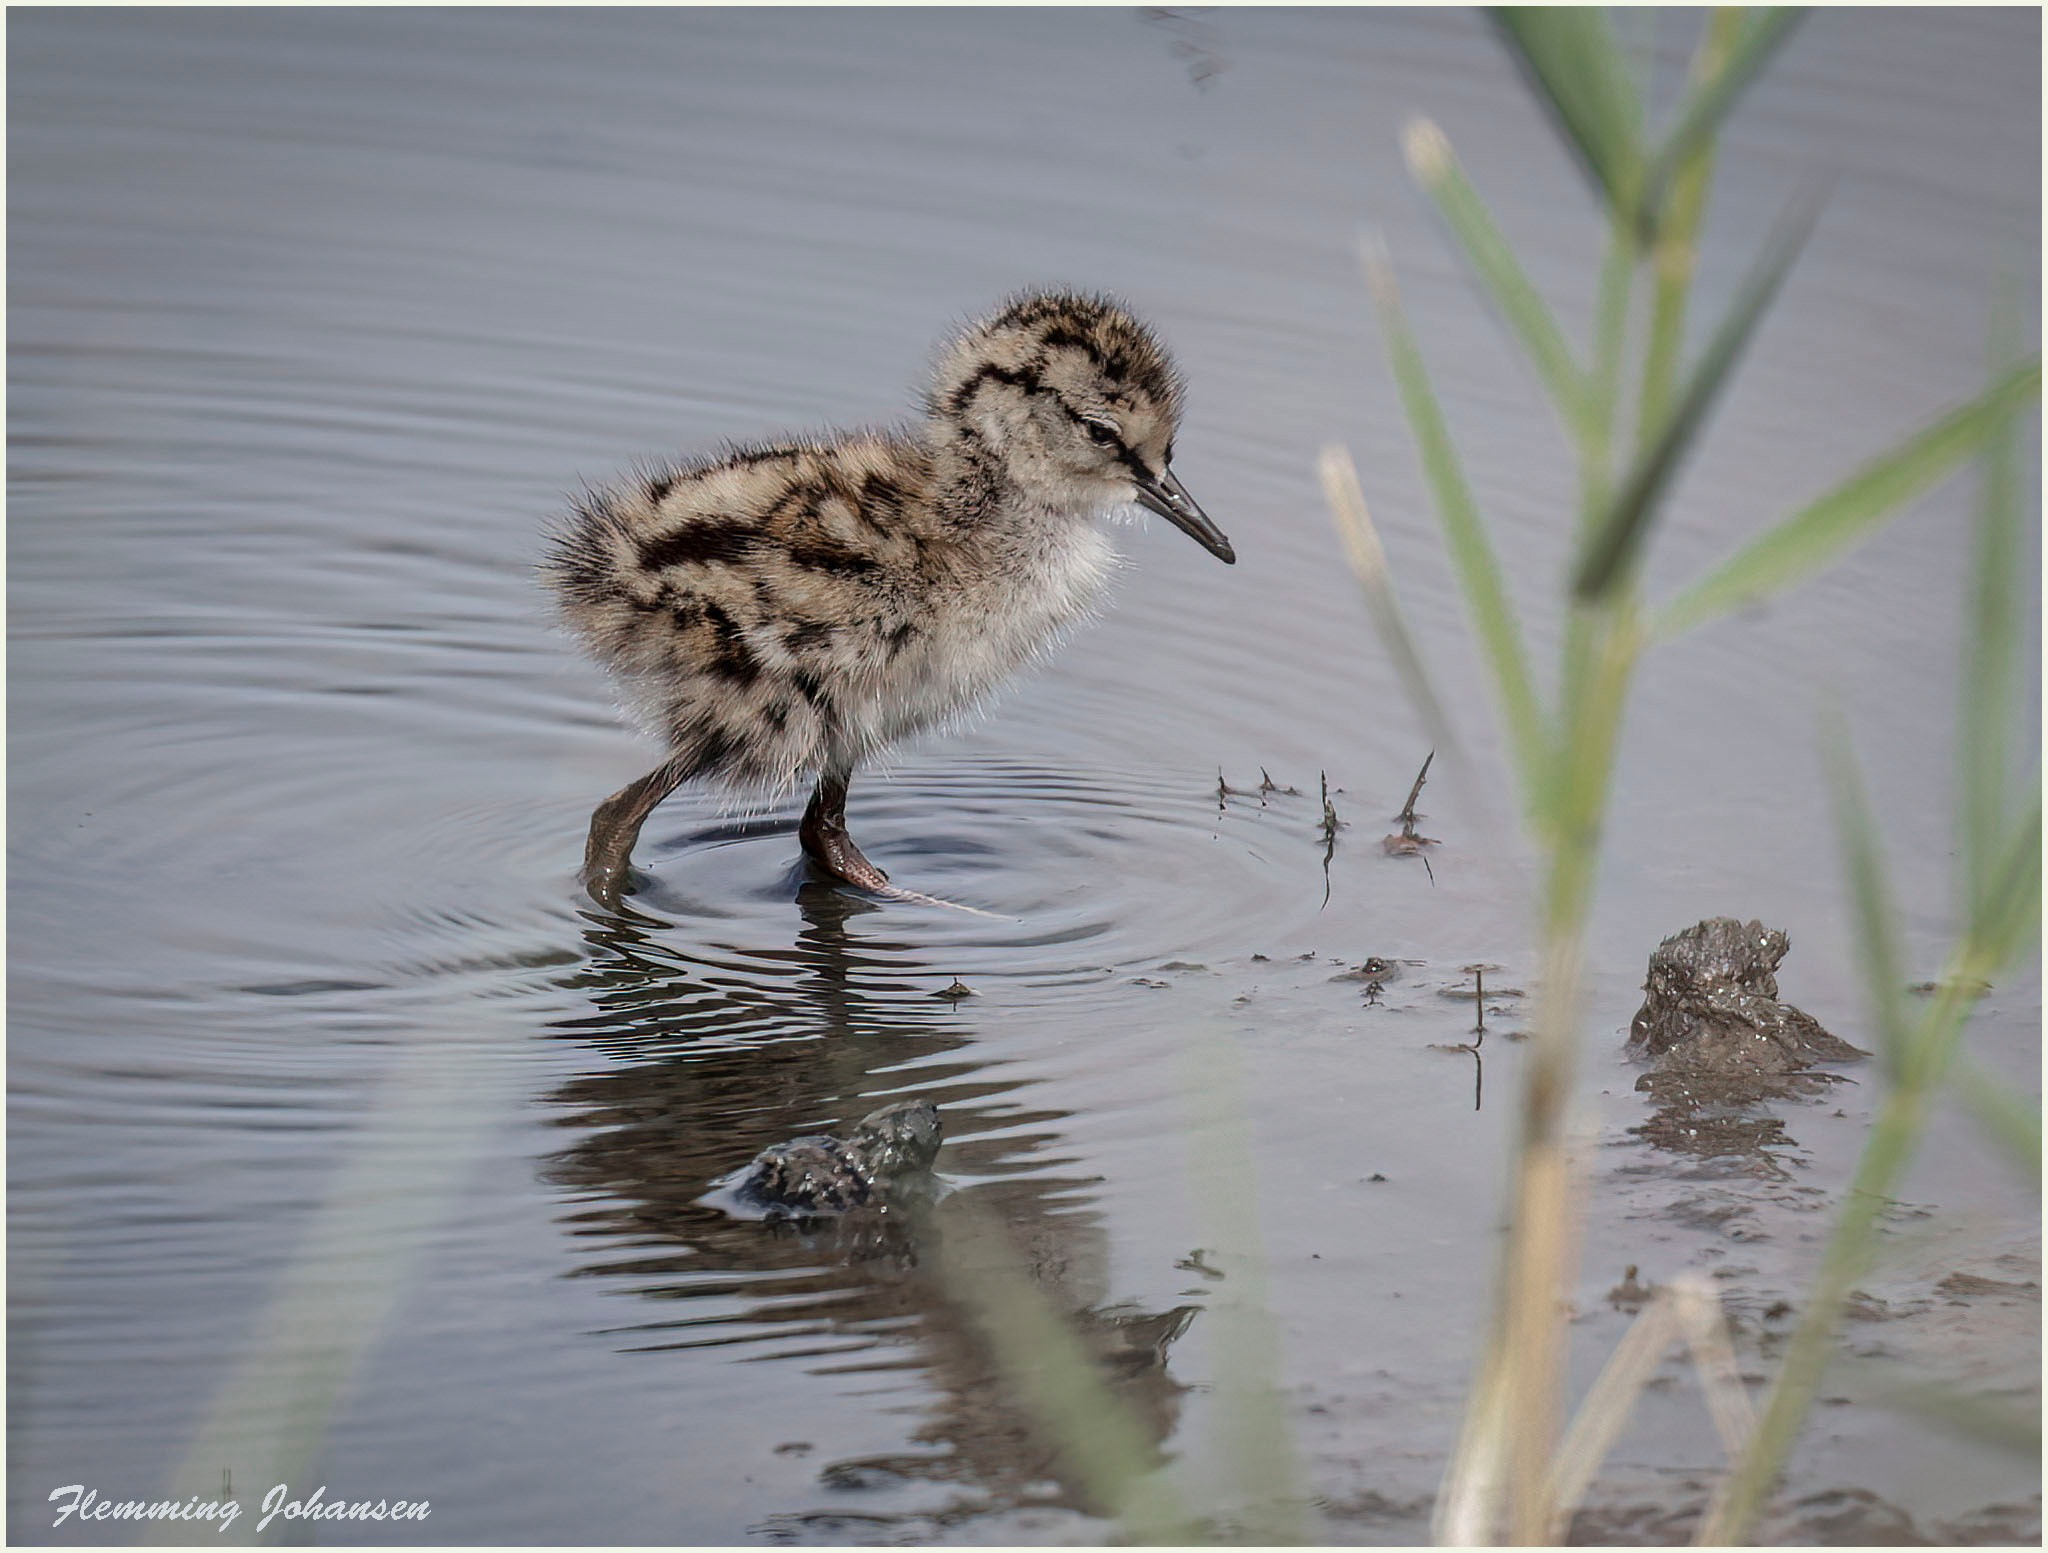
x=794 y=608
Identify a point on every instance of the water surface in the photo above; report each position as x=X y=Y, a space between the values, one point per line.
x=349 y=1145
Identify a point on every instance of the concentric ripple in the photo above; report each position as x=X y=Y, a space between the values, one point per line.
x=1071 y=872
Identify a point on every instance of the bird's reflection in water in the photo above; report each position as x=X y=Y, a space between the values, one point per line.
x=717 y=1052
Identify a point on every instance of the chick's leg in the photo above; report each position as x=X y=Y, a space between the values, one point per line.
x=824 y=837
x=615 y=827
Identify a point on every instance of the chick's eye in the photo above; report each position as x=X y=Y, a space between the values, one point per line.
x=1100 y=434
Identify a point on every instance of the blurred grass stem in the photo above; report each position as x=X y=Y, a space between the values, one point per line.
x=1505 y=1477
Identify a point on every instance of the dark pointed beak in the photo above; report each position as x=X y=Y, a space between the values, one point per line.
x=1169 y=498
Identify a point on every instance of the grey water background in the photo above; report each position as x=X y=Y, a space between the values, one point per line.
x=325 y=1084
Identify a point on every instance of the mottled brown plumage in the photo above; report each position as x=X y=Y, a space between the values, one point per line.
x=792 y=609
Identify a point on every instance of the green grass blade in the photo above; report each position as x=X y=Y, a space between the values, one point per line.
x=1887 y=1152
x=271 y=1418
x=1368 y=559
x=1576 y=799
x=1870 y=896
x=1709 y=102
x=1618 y=535
x=1479 y=572
x=1982 y=1420
x=1434 y=166
x=1674 y=243
x=1105 y=1445
x=1603 y=380
x=1635 y=32
x=2011 y=912
x=1570 y=56
x=2008 y=1120
x=1257 y=1457
x=1805 y=542
x=1990 y=659
x=1596 y=448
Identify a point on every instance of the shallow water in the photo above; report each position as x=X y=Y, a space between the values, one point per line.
x=349 y=1146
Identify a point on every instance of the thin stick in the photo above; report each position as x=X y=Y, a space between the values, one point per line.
x=1407 y=814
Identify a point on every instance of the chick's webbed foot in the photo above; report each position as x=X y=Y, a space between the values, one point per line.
x=826 y=841
x=615 y=827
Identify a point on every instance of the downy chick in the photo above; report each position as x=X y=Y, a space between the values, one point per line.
x=794 y=608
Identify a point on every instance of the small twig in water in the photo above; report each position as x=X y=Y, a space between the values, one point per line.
x=1407 y=842
x=1268 y=785
x=1471 y=1049
x=1407 y=814
x=1479 y=1003
x=1331 y=825
x=1225 y=792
